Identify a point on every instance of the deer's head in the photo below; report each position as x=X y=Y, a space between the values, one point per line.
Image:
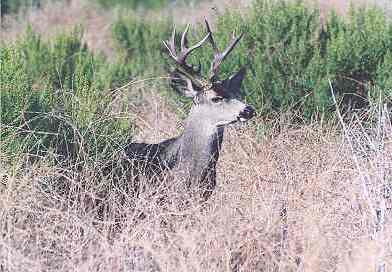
x=217 y=102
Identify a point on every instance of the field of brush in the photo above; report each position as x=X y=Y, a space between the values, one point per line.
x=306 y=185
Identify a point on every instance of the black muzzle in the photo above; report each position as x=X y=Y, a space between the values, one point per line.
x=247 y=113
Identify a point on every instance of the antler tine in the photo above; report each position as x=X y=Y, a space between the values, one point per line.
x=172 y=41
x=212 y=41
x=220 y=56
x=170 y=45
x=183 y=38
x=231 y=46
x=180 y=58
x=200 y=43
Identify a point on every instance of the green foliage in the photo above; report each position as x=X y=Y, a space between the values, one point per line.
x=290 y=56
x=356 y=52
x=137 y=4
x=384 y=79
x=13 y=6
x=139 y=43
x=53 y=98
x=133 y=4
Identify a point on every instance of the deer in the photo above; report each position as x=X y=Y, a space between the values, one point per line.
x=215 y=104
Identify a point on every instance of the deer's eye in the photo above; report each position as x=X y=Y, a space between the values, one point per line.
x=217 y=99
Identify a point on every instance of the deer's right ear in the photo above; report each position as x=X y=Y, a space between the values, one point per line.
x=182 y=85
x=235 y=80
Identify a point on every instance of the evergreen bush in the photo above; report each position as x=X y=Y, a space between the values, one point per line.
x=54 y=99
x=13 y=6
x=290 y=55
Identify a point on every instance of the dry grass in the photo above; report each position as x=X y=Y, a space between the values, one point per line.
x=58 y=16
x=287 y=200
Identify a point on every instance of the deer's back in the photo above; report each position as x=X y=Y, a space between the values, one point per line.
x=150 y=159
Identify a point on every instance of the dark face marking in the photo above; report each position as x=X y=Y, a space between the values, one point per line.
x=221 y=104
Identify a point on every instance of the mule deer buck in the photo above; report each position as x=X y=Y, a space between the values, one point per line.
x=216 y=103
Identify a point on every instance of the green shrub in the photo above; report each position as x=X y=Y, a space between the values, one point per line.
x=54 y=99
x=132 y=4
x=13 y=6
x=384 y=79
x=139 y=43
x=289 y=55
x=137 y=4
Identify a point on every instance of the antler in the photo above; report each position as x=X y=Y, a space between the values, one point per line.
x=180 y=58
x=191 y=75
x=219 y=56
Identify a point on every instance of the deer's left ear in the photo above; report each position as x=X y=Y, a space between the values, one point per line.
x=234 y=81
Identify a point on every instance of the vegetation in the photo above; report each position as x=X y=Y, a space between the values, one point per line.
x=139 y=43
x=133 y=4
x=13 y=6
x=54 y=97
x=289 y=55
x=293 y=57
x=311 y=198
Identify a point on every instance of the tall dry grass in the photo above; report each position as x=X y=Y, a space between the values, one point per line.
x=289 y=198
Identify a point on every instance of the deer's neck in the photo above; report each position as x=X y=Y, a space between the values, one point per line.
x=197 y=149
x=194 y=154
x=200 y=144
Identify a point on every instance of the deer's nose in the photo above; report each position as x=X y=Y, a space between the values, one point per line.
x=247 y=113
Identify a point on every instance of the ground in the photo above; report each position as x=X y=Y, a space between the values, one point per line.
x=289 y=198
